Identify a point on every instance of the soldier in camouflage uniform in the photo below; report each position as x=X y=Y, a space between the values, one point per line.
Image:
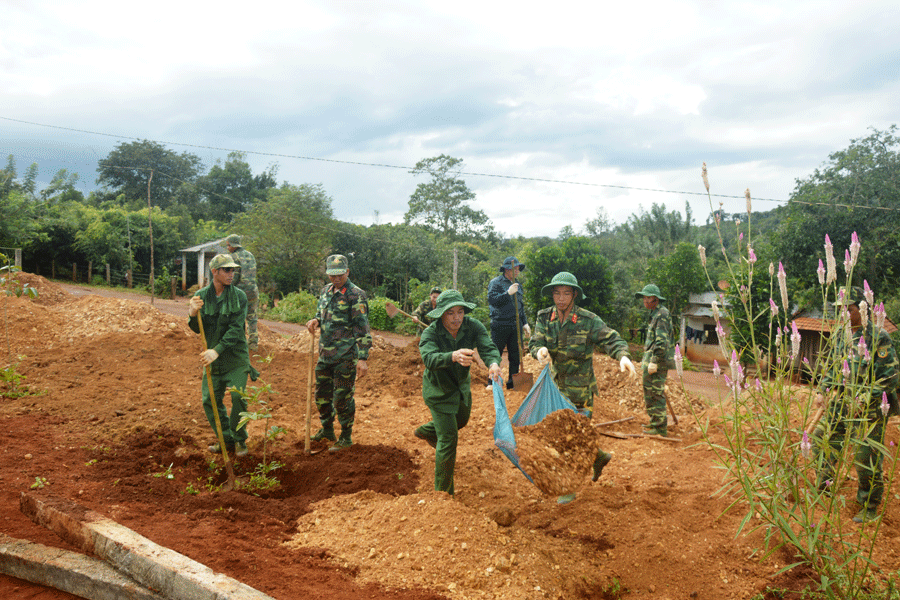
x=568 y=334
x=343 y=316
x=420 y=315
x=861 y=381
x=245 y=280
x=657 y=333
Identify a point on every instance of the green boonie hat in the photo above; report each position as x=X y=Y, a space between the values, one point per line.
x=435 y=290
x=336 y=264
x=563 y=278
x=220 y=261
x=854 y=296
x=510 y=263
x=233 y=240
x=649 y=290
x=447 y=300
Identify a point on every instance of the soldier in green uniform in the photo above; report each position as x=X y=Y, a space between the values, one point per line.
x=448 y=350
x=223 y=309
x=568 y=334
x=863 y=375
x=343 y=316
x=657 y=336
x=245 y=280
x=420 y=315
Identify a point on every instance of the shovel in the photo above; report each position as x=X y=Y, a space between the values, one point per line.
x=393 y=311
x=522 y=380
x=229 y=485
x=309 y=387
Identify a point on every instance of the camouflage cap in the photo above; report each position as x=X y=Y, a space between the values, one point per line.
x=649 y=290
x=435 y=290
x=336 y=264
x=854 y=296
x=563 y=278
x=233 y=240
x=448 y=300
x=511 y=262
x=220 y=261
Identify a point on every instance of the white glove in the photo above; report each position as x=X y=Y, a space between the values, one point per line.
x=651 y=368
x=195 y=304
x=513 y=289
x=543 y=354
x=208 y=356
x=527 y=330
x=625 y=363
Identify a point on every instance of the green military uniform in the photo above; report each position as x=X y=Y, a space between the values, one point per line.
x=223 y=324
x=343 y=318
x=245 y=280
x=657 y=336
x=447 y=386
x=422 y=311
x=869 y=377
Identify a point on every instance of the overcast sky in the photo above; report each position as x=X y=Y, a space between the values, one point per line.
x=623 y=100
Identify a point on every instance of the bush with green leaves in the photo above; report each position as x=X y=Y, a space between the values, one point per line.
x=771 y=462
x=296 y=307
x=378 y=316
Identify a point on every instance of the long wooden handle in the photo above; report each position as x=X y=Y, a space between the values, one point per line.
x=815 y=420
x=215 y=407
x=309 y=388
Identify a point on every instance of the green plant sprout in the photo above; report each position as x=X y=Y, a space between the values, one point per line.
x=167 y=473
x=255 y=397
x=39 y=483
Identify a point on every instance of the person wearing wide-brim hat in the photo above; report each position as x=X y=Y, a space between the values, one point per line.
x=505 y=298
x=861 y=388
x=448 y=350
x=420 y=315
x=567 y=334
x=657 y=338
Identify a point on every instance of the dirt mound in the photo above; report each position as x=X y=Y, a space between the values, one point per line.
x=49 y=293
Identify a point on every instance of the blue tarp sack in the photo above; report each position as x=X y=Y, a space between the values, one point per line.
x=543 y=399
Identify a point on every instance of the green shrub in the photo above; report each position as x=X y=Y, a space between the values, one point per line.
x=378 y=317
x=296 y=307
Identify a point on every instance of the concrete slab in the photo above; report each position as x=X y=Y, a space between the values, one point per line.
x=70 y=572
x=165 y=571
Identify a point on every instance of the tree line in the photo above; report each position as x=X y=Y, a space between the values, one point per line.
x=291 y=228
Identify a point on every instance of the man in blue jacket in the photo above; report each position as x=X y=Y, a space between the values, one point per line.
x=504 y=295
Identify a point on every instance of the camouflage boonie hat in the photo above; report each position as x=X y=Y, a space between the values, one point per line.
x=221 y=261
x=649 y=290
x=336 y=264
x=510 y=263
x=448 y=300
x=563 y=278
x=435 y=290
x=854 y=296
x=233 y=240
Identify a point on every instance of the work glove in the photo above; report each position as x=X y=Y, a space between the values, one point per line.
x=513 y=289
x=651 y=368
x=527 y=330
x=207 y=357
x=543 y=354
x=195 y=304
x=625 y=363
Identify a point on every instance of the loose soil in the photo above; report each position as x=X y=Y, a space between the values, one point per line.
x=114 y=423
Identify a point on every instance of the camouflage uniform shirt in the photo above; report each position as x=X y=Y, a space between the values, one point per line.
x=657 y=337
x=245 y=276
x=343 y=316
x=571 y=346
x=879 y=372
x=422 y=311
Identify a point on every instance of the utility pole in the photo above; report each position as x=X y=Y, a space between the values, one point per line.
x=455 y=266
x=150 y=225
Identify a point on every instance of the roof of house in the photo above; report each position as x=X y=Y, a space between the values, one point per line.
x=215 y=245
x=812 y=324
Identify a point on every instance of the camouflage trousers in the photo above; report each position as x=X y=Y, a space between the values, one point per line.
x=252 y=306
x=867 y=431
x=335 y=383
x=655 y=394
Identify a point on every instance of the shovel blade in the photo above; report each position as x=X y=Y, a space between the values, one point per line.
x=391 y=309
x=522 y=381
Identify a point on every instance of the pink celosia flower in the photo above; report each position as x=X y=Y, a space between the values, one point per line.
x=829 y=259
x=821 y=272
x=782 y=284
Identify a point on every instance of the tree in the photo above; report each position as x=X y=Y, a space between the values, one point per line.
x=126 y=171
x=658 y=230
x=857 y=189
x=290 y=234
x=440 y=205
x=581 y=258
x=230 y=188
x=678 y=275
